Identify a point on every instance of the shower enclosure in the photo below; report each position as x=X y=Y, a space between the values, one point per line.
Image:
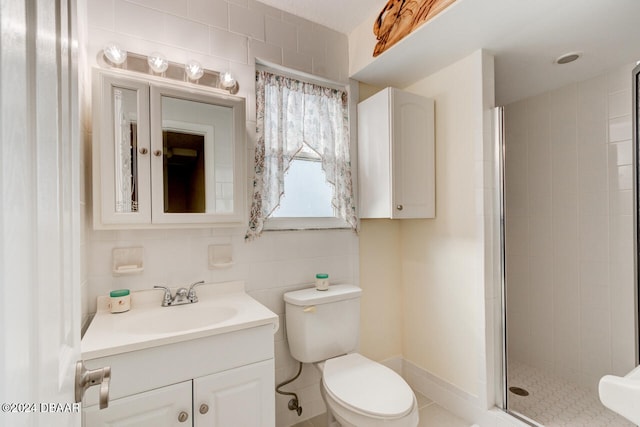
x=569 y=248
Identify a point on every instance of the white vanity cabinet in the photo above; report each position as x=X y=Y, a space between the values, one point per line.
x=233 y=374
x=166 y=154
x=237 y=397
x=396 y=155
x=163 y=407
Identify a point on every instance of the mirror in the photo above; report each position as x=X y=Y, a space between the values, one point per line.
x=125 y=146
x=166 y=153
x=197 y=152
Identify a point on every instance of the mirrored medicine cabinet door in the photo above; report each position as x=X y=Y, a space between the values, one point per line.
x=166 y=154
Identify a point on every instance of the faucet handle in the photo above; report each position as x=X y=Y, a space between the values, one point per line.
x=192 y=292
x=167 y=295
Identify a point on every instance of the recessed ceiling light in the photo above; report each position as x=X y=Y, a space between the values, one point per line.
x=568 y=57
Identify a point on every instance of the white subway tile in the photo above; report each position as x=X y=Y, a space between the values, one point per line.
x=620 y=129
x=233 y=47
x=594 y=238
x=100 y=13
x=247 y=22
x=139 y=21
x=265 y=51
x=175 y=7
x=211 y=12
x=265 y=9
x=625 y=178
x=186 y=34
x=282 y=34
x=297 y=61
x=620 y=104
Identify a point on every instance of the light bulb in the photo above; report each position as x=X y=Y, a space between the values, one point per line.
x=227 y=80
x=157 y=62
x=115 y=53
x=194 y=70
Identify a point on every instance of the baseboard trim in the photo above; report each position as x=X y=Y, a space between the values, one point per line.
x=454 y=399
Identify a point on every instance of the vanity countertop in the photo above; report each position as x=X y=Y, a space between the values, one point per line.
x=222 y=308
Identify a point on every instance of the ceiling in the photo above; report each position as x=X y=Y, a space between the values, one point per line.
x=525 y=36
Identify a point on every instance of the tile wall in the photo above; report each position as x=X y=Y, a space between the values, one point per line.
x=569 y=181
x=222 y=35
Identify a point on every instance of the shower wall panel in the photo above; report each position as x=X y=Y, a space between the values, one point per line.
x=569 y=229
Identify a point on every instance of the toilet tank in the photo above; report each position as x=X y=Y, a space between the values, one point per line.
x=322 y=324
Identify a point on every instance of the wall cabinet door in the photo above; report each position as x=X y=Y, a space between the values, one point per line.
x=121 y=167
x=241 y=397
x=396 y=155
x=169 y=406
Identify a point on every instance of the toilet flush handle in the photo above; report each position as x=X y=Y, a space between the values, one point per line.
x=309 y=309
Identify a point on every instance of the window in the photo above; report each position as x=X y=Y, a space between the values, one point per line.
x=307 y=194
x=302 y=159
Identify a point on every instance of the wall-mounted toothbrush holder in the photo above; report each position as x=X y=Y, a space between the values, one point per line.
x=220 y=256
x=127 y=261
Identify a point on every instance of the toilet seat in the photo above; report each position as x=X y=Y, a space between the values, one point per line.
x=367 y=387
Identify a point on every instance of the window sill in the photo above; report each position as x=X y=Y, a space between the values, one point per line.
x=309 y=223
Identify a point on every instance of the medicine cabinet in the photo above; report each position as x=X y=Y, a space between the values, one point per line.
x=166 y=154
x=396 y=155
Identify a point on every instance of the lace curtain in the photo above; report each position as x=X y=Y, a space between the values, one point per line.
x=291 y=113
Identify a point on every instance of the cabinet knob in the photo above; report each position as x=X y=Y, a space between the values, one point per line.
x=399 y=207
x=157 y=153
x=183 y=416
x=143 y=150
x=204 y=408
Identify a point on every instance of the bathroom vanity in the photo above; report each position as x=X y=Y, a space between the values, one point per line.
x=207 y=363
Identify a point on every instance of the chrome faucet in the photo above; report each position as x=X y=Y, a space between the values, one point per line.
x=182 y=296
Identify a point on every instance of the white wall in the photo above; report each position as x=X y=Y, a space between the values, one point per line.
x=443 y=259
x=569 y=180
x=444 y=268
x=224 y=35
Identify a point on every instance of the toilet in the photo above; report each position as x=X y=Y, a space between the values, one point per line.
x=323 y=328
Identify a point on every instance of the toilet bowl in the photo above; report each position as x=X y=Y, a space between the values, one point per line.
x=360 y=392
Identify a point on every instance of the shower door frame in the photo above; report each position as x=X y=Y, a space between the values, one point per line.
x=635 y=96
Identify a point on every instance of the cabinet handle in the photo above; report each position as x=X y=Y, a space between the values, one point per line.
x=183 y=416
x=399 y=207
x=204 y=408
x=143 y=150
x=157 y=153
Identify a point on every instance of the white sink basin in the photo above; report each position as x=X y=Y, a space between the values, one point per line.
x=622 y=394
x=180 y=318
x=222 y=308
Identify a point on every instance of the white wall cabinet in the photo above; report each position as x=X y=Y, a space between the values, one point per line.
x=166 y=154
x=396 y=156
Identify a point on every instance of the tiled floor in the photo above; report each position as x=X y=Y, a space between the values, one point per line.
x=431 y=415
x=554 y=402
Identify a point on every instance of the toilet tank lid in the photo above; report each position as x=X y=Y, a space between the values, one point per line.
x=312 y=296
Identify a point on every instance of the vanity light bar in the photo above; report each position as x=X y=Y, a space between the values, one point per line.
x=175 y=71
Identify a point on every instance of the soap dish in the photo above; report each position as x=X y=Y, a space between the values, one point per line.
x=220 y=256
x=127 y=261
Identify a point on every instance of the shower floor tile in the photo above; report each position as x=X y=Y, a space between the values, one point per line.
x=555 y=402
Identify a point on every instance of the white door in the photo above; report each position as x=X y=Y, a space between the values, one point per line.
x=163 y=407
x=240 y=397
x=39 y=213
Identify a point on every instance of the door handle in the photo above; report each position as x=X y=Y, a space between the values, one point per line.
x=86 y=378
